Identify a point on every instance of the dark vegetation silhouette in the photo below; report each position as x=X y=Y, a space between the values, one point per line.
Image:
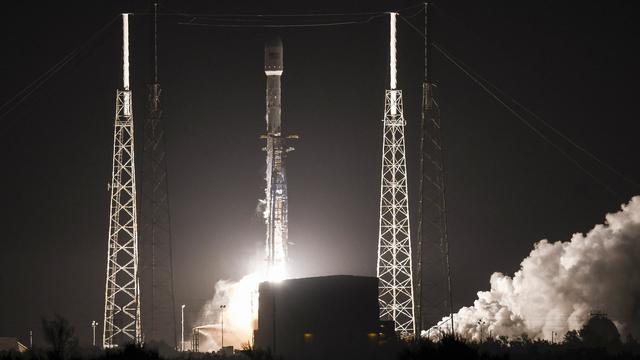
x=60 y=336
x=576 y=345
x=598 y=339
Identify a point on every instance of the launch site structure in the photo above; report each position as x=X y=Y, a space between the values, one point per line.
x=156 y=253
x=276 y=199
x=433 y=274
x=394 y=263
x=122 y=296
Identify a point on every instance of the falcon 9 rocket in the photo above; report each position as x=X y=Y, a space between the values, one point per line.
x=276 y=203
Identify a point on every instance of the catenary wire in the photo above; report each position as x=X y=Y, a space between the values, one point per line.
x=177 y=12
x=527 y=123
x=337 y=23
x=23 y=94
x=462 y=24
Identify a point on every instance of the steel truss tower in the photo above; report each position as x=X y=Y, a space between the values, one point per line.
x=433 y=288
x=276 y=200
x=156 y=259
x=394 y=269
x=122 y=298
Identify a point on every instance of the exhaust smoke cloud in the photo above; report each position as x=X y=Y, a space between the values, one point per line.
x=560 y=283
x=240 y=299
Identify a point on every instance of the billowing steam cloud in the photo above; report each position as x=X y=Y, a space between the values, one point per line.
x=560 y=283
x=240 y=299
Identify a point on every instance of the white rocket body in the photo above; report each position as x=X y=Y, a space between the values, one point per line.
x=276 y=206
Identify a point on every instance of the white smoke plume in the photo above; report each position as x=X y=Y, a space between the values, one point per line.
x=560 y=283
x=240 y=299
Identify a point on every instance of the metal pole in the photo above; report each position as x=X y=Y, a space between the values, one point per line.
x=273 y=291
x=222 y=307
x=125 y=51
x=31 y=340
x=392 y=52
x=93 y=325
x=182 y=325
x=481 y=323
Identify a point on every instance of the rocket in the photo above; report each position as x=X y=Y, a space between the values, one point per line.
x=276 y=201
x=273 y=68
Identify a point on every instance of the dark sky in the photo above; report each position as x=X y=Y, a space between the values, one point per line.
x=573 y=64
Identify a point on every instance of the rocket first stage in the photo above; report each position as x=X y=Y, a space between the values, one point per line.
x=276 y=203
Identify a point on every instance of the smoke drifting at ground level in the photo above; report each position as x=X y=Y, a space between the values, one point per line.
x=560 y=283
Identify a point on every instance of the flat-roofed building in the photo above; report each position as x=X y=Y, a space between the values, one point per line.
x=12 y=344
x=330 y=317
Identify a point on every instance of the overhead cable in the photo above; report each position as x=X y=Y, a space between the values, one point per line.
x=478 y=80
x=23 y=94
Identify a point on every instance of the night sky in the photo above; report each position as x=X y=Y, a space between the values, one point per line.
x=574 y=65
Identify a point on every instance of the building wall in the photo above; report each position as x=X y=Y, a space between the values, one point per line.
x=11 y=344
x=328 y=317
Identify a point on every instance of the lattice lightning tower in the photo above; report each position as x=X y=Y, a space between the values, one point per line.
x=122 y=298
x=433 y=288
x=156 y=258
x=394 y=270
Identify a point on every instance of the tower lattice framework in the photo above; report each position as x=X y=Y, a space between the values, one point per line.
x=122 y=298
x=433 y=290
x=394 y=265
x=156 y=255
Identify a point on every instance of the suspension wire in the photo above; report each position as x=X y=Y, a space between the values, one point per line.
x=588 y=153
x=488 y=90
x=338 y=23
x=15 y=101
x=421 y=9
x=173 y=12
x=563 y=136
x=259 y=19
x=487 y=86
x=24 y=94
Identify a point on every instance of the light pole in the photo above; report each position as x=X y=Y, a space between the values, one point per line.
x=182 y=333
x=93 y=325
x=222 y=307
x=481 y=323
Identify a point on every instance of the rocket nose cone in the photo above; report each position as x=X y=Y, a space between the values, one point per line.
x=273 y=55
x=274 y=43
